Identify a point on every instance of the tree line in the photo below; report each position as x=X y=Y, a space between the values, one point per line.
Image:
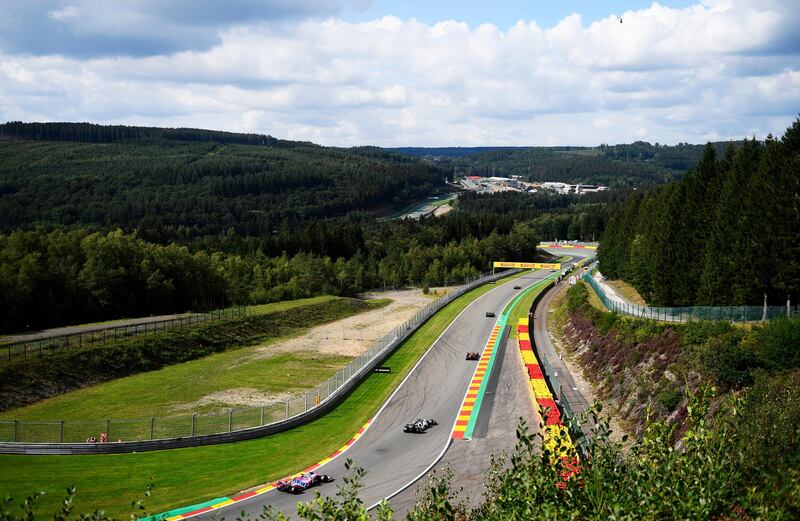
x=145 y=225
x=62 y=277
x=621 y=166
x=188 y=190
x=92 y=133
x=728 y=233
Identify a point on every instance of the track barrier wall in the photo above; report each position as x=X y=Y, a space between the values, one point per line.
x=687 y=314
x=159 y=432
x=553 y=374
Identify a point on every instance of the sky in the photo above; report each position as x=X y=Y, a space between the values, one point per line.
x=410 y=72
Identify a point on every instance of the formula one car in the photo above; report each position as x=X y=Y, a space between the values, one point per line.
x=419 y=426
x=517 y=287
x=489 y=314
x=472 y=355
x=303 y=482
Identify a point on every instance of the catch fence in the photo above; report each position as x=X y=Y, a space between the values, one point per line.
x=235 y=419
x=24 y=350
x=690 y=313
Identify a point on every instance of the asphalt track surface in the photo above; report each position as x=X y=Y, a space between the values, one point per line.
x=507 y=399
x=434 y=389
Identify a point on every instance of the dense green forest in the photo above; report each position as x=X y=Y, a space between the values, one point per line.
x=632 y=165
x=106 y=222
x=728 y=233
x=181 y=190
x=61 y=277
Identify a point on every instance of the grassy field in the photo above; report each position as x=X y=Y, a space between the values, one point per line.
x=178 y=371
x=178 y=389
x=627 y=292
x=290 y=304
x=188 y=476
x=256 y=310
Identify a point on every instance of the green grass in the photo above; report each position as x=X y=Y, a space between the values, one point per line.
x=256 y=310
x=243 y=358
x=289 y=304
x=519 y=309
x=627 y=292
x=173 y=390
x=187 y=476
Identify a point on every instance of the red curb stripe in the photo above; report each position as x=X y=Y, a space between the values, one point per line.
x=194 y=513
x=244 y=496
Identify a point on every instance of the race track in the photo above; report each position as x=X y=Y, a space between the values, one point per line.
x=434 y=389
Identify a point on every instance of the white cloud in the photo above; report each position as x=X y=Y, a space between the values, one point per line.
x=723 y=68
x=64 y=13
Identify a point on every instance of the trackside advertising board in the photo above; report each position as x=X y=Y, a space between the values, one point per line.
x=527 y=265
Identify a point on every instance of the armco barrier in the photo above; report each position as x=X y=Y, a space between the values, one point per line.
x=572 y=403
x=689 y=313
x=55 y=437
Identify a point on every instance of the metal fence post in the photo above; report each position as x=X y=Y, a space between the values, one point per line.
x=14 y=435
x=305 y=402
x=261 y=421
x=194 y=420
x=152 y=426
x=287 y=409
x=230 y=420
x=62 y=431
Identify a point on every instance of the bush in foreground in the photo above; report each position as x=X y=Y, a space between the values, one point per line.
x=712 y=473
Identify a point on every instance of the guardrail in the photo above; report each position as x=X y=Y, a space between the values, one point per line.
x=686 y=314
x=155 y=433
x=26 y=349
x=573 y=404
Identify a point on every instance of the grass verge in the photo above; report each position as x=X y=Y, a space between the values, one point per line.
x=150 y=374
x=187 y=476
x=627 y=292
x=520 y=308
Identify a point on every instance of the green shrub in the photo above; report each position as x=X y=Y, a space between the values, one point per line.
x=777 y=344
x=727 y=360
x=669 y=398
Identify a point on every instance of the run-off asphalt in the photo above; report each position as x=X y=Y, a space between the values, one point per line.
x=434 y=389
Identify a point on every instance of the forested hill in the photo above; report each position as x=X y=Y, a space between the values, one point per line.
x=727 y=234
x=628 y=165
x=92 y=133
x=182 y=184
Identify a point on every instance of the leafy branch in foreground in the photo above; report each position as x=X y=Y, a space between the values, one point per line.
x=708 y=474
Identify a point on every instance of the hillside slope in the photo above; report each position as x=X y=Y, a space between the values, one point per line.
x=182 y=183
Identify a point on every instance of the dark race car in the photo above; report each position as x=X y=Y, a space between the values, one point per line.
x=303 y=482
x=472 y=355
x=489 y=314
x=419 y=426
x=517 y=287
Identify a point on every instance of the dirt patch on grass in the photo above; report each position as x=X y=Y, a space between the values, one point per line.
x=442 y=210
x=239 y=397
x=354 y=335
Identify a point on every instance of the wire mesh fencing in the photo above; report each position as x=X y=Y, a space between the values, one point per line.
x=687 y=314
x=235 y=419
x=23 y=350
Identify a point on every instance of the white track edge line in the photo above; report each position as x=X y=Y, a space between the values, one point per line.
x=372 y=420
x=449 y=437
